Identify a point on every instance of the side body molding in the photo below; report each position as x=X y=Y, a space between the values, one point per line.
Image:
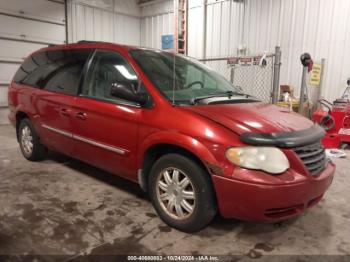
x=114 y=149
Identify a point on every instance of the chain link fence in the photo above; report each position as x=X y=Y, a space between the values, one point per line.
x=248 y=73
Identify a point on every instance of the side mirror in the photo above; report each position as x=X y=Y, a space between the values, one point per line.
x=125 y=90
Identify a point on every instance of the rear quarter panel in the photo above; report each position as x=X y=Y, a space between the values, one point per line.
x=22 y=99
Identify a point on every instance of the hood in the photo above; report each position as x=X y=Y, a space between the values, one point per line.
x=253 y=117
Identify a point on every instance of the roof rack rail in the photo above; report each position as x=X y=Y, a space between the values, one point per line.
x=88 y=41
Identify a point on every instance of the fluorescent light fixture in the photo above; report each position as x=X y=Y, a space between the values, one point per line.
x=122 y=69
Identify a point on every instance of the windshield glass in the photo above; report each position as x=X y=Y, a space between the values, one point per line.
x=191 y=79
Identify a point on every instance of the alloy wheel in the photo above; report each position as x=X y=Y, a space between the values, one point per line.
x=27 y=140
x=176 y=193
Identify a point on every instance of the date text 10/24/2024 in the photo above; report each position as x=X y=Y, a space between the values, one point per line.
x=173 y=258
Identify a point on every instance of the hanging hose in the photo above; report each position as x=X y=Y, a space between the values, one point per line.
x=327 y=122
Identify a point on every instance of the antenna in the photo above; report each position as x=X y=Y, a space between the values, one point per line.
x=174 y=76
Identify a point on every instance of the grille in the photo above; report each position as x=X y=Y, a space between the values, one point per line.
x=313 y=156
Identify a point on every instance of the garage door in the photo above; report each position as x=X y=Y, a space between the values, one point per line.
x=25 y=27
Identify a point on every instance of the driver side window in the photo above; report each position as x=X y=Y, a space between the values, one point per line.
x=107 y=68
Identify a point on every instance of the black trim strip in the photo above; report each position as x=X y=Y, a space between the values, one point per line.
x=115 y=102
x=285 y=139
x=55 y=1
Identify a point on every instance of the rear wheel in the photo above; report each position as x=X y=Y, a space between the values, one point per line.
x=29 y=141
x=181 y=193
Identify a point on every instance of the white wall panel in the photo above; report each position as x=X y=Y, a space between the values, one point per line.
x=223 y=28
x=33 y=30
x=7 y=71
x=153 y=27
x=40 y=9
x=157 y=20
x=26 y=26
x=166 y=6
x=320 y=27
x=95 y=20
x=16 y=51
x=195 y=29
x=127 y=30
x=127 y=7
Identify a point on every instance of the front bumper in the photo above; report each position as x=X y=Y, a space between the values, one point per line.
x=266 y=202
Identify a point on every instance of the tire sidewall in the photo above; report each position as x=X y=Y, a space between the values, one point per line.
x=205 y=207
x=25 y=123
x=38 y=151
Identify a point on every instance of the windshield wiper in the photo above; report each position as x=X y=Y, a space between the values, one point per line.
x=229 y=94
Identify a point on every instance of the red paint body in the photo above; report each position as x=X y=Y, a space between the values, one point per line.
x=206 y=131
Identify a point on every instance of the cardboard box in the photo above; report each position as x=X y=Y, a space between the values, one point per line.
x=287 y=88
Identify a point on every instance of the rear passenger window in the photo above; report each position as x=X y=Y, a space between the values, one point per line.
x=57 y=71
x=65 y=80
x=25 y=69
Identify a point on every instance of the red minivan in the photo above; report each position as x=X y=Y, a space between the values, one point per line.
x=192 y=140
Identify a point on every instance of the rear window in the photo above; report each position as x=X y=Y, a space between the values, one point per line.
x=57 y=71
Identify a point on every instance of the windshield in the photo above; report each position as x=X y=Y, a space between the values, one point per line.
x=191 y=79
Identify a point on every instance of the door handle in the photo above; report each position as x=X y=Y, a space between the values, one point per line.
x=81 y=116
x=65 y=112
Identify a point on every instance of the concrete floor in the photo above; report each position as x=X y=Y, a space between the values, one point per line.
x=3 y=116
x=64 y=207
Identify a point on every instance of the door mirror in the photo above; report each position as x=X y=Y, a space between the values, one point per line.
x=126 y=90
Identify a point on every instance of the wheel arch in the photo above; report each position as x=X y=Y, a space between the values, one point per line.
x=161 y=144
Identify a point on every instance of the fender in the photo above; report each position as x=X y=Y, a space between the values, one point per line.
x=177 y=139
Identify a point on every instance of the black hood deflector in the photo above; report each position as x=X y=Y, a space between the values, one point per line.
x=285 y=139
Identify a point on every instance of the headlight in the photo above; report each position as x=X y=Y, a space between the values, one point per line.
x=268 y=159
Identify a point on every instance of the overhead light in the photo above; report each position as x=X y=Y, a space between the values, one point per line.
x=122 y=69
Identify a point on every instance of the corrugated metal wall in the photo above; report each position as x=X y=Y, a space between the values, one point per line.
x=104 y=20
x=320 y=27
x=195 y=28
x=224 y=28
x=157 y=20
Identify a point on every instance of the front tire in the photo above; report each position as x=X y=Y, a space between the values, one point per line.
x=181 y=193
x=29 y=141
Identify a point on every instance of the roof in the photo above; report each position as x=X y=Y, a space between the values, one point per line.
x=94 y=44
